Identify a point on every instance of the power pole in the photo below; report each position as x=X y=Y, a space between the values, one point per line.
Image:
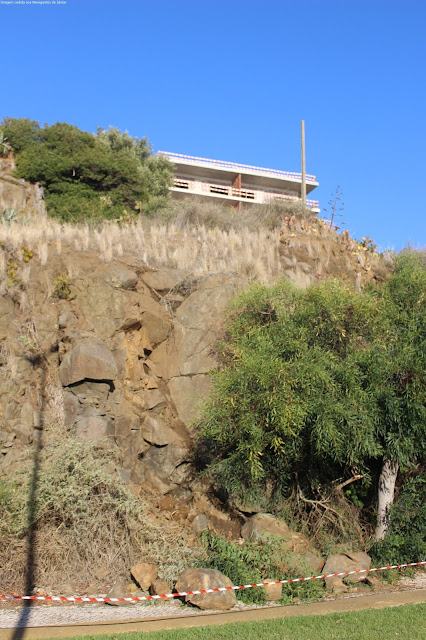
x=303 y=194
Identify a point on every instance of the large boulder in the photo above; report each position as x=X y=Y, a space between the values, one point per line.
x=165 y=279
x=155 y=471
x=154 y=399
x=189 y=394
x=198 y=579
x=72 y=408
x=159 y=588
x=274 y=591
x=133 y=447
x=144 y=574
x=197 y=324
x=121 y=278
x=97 y=429
x=91 y=393
x=89 y=360
x=186 y=357
x=263 y=524
x=155 y=319
x=118 y=590
x=342 y=562
x=102 y=308
x=157 y=432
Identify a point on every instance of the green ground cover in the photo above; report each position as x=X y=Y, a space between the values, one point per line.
x=403 y=622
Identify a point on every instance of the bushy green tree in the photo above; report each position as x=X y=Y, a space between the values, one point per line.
x=20 y=132
x=291 y=398
x=84 y=175
x=115 y=140
x=319 y=384
x=395 y=367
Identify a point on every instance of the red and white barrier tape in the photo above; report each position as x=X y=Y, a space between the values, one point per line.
x=192 y=593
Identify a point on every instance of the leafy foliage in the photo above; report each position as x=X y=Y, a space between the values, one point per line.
x=257 y=561
x=396 y=362
x=290 y=398
x=87 y=176
x=21 y=133
x=319 y=385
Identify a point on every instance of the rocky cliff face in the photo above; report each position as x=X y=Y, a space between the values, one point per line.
x=120 y=353
x=17 y=195
x=122 y=359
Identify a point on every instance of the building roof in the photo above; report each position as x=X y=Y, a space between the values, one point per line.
x=234 y=167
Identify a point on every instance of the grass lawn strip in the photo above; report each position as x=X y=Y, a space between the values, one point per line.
x=405 y=622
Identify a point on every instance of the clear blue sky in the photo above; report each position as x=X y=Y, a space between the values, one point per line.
x=232 y=80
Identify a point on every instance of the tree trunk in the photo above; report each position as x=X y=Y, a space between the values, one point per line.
x=387 y=481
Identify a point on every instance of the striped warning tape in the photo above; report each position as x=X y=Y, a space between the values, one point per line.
x=192 y=593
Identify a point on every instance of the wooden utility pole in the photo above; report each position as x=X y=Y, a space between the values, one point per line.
x=303 y=194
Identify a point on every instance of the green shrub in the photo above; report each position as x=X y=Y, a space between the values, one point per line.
x=252 y=562
x=289 y=399
x=62 y=288
x=317 y=386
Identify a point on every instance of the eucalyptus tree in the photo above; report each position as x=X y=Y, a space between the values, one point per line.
x=395 y=367
x=319 y=384
x=291 y=399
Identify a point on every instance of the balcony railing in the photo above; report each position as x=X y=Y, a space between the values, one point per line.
x=197 y=187
x=237 y=168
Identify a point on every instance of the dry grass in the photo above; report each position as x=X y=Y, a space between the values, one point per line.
x=198 y=211
x=198 y=249
x=244 y=242
x=84 y=517
x=85 y=520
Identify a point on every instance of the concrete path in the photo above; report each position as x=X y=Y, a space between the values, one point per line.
x=373 y=601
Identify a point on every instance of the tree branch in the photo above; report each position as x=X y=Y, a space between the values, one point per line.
x=353 y=479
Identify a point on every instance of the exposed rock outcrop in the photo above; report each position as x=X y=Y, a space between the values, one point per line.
x=122 y=359
x=87 y=360
x=128 y=369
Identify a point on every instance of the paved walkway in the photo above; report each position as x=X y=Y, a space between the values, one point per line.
x=179 y=618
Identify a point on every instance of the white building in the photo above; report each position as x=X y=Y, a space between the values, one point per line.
x=236 y=183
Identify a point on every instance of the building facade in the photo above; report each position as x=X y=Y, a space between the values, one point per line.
x=236 y=183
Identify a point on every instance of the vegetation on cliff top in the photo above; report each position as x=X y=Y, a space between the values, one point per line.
x=104 y=176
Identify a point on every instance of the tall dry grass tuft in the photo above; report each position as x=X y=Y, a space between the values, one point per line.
x=200 y=237
x=197 y=211
x=43 y=253
x=197 y=248
x=86 y=518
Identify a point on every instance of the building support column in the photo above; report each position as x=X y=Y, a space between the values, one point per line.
x=236 y=184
